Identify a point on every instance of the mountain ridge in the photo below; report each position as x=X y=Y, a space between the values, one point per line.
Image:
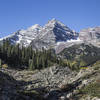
x=54 y=34
x=25 y=37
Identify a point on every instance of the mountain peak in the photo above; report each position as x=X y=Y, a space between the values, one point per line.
x=55 y=23
x=52 y=22
x=36 y=26
x=53 y=19
x=54 y=31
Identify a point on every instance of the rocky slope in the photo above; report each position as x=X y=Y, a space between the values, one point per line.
x=52 y=33
x=10 y=88
x=81 y=55
x=55 y=83
x=51 y=77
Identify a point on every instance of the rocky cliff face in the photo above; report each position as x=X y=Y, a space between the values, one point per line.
x=87 y=36
x=52 y=33
x=91 y=35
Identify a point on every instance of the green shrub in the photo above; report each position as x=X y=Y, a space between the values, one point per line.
x=93 y=89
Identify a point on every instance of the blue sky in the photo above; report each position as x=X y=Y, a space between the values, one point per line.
x=21 y=14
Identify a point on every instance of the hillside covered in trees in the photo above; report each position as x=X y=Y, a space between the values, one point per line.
x=74 y=57
x=21 y=57
x=81 y=55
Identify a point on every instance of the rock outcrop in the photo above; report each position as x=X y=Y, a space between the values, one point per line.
x=91 y=35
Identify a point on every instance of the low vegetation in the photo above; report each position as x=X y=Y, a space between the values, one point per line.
x=92 y=89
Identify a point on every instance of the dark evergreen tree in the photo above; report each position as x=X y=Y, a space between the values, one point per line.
x=22 y=57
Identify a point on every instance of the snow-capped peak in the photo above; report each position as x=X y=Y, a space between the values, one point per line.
x=53 y=32
x=53 y=22
x=24 y=37
x=36 y=26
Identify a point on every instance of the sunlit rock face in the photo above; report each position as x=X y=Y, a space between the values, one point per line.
x=91 y=35
x=24 y=37
x=52 y=33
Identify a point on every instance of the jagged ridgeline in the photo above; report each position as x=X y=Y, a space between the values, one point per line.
x=80 y=55
x=25 y=57
x=47 y=36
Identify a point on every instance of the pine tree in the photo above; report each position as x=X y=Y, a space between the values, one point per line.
x=0 y=64
x=31 y=67
x=15 y=56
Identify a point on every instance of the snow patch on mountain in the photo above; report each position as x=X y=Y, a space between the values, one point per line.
x=77 y=40
x=72 y=40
